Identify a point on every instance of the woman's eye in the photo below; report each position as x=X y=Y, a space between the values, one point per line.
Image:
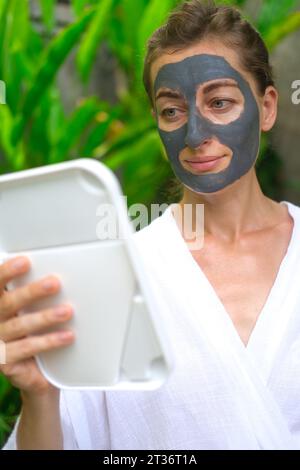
x=221 y=104
x=169 y=113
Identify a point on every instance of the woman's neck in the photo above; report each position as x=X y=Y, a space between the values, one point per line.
x=236 y=209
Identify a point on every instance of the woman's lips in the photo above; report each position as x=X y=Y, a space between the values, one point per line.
x=207 y=163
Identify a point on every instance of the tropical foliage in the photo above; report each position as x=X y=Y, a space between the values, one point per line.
x=36 y=129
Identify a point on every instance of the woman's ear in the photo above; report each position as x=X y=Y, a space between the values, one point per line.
x=153 y=113
x=269 y=108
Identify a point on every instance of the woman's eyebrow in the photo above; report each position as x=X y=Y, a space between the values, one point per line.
x=206 y=89
x=169 y=94
x=220 y=83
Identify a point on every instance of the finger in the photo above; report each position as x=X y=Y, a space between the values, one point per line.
x=26 y=376
x=12 y=268
x=13 y=301
x=30 y=323
x=29 y=347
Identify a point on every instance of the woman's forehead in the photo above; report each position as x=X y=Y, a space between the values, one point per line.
x=193 y=70
x=198 y=49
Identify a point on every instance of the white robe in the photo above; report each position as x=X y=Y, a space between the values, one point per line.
x=221 y=394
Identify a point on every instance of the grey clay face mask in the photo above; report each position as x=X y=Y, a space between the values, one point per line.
x=242 y=135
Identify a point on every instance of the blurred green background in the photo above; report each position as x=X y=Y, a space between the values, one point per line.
x=72 y=71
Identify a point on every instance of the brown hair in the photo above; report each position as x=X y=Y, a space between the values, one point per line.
x=194 y=20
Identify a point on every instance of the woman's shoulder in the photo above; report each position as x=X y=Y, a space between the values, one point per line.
x=293 y=209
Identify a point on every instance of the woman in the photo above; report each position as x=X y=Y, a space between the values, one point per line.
x=231 y=305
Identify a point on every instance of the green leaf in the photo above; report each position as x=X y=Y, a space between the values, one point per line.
x=4 y=388
x=122 y=38
x=132 y=14
x=79 y=5
x=14 y=156
x=18 y=33
x=81 y=117
x=48 y=13
x=3 y=426
x=154 y=15
x=148 y=141
x=20 y=54
x=145 y=164
x=94 y=138
x=15 y=80
x=2 y=8
x=280 y=31
x=273 y=12
x=132 y=132
x=38 y=140
x=97 y=134
x=3 y=37
x=9 y=408
x=92 y=38
x=56 y=115
x=53 y=58
x=6 y=120
x=118 y=44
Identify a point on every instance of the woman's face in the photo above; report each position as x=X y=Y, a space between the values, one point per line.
x=209 y=115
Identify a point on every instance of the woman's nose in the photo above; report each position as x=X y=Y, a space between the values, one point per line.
x=196 y=133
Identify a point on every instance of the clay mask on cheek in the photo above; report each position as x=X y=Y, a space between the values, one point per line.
x=242 y=135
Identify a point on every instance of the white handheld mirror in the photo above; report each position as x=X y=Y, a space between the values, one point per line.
x=50 y=214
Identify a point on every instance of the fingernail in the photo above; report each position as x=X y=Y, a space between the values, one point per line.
x=49 y=284
x=62 y=311
x=65 y=335
x=19 y=264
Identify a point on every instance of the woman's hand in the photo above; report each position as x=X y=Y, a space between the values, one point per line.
x=21 y=368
